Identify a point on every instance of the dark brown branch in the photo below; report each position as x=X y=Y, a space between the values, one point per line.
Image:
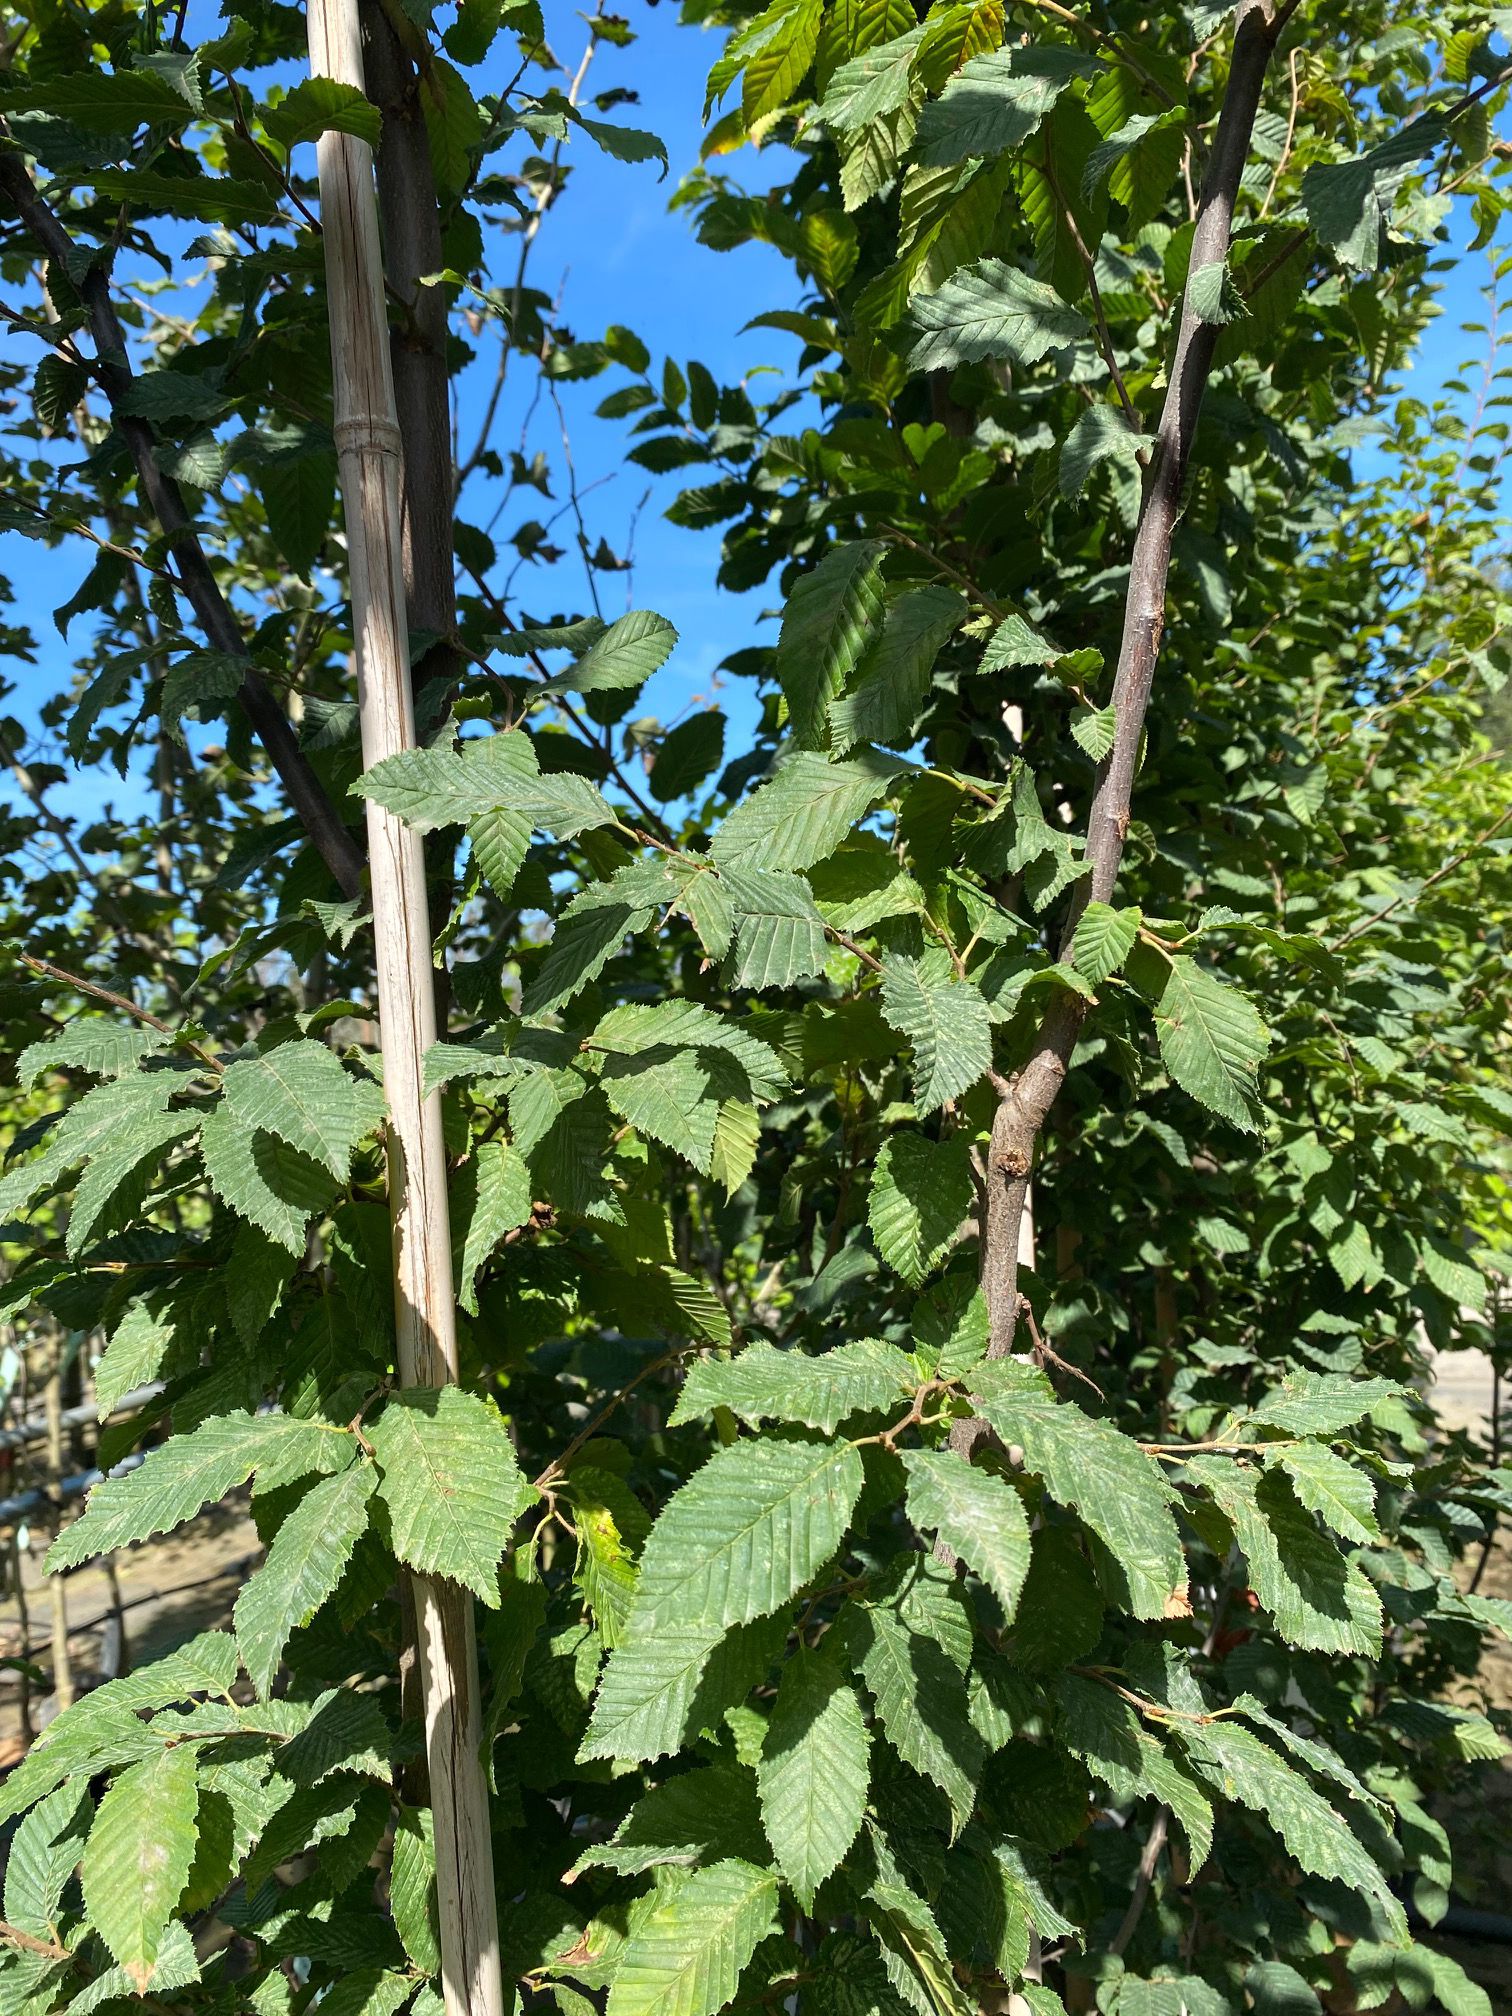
x=306 y=794
x=1026 y=1106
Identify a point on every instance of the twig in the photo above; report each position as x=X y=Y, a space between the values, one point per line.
x=128 y=1007
x=1044 y=1354
x=1149 y=1861
x=1411 y=896
x=558 y=1464
x=25 y=1942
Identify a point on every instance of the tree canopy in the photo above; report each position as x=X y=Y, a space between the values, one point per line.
x=953 y=1200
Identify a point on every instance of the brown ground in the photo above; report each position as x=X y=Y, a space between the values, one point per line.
x=169 y=1589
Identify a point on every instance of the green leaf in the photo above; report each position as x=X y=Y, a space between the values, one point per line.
x=367 y=1991
x=814 y=1772
x=904 y=1639
x=301 y=1093
x=1105 y=1732
x=978 y=1516
x=779 y=933
x=830 y=620
x=44 y=1852
x=1016 y=642
x=488 y=774
x=623 y=658
x=689 y=1941
x=1101 y=434
x=500 y=1201
x=624 y=143
x=134 y=1355
x=1277 y=1989
x=921 y=1192
x=1138 y=162
x=196 y=1469
x=1211 y=1040
x=307 y=1559
x=119 y=1171
x=412 y=1892
x=1321 y=1601
x=805 y=811
x=1342 y=1495
x=1241 y=1767
x=91 y=1043
x=319 y=105
x=914 y=1955
x=871 y=85
x=659 y=1691
x=117 y=102
x=299 y=496
x=946 y=1021
x=1453 y=1273
x=588 y=934
x=1317 y=1756
x=1349 y=203
x=138 y=1857
x=88 y=1126
x=1103 y=939
x=263 y=1179
x=1453 y=1986
x=996 y=101
x=767 y=1384
x=686 y=754
x=892 y=681
x=454 y=125
x=1321 y=1403
x=744 y=1534
x=704 y=1815
x=451 y=1485
x=1099 y=1474
x=611 y=1526
x=992 y=310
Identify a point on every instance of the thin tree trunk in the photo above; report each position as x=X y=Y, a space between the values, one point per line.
x=23 y=1617
x=410 y=217
x=1026 y=1102
x=63 y=1681
x=367 y=442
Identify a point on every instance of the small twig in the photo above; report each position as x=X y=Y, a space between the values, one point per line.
x=1291 y=133
x=558 y=1464
x=25 y=1942
x=1045 y=1355
x=1412 y=896
x=128 y=1007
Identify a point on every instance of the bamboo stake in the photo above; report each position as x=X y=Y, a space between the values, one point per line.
x=368 y=448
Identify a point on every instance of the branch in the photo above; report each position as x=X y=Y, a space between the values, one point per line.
x=1023 y=1111
x=24 y=1942
x=164 y=499
x=127 y=1006
x=1454 y=861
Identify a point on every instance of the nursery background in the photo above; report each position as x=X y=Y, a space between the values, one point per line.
x=955 y=630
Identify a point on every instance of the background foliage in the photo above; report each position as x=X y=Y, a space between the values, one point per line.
x=1146 y=1706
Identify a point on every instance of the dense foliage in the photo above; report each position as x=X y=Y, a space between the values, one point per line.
x=897 y=1617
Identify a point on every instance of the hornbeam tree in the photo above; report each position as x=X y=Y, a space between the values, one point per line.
x=834 y=1360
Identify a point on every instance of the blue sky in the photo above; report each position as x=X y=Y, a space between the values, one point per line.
x=615 y=252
